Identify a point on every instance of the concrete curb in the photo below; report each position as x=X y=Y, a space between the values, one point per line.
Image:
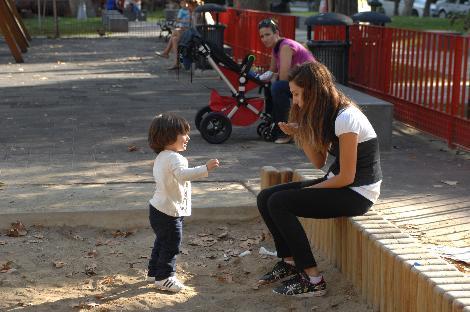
x=124 y=219
x=118 y=205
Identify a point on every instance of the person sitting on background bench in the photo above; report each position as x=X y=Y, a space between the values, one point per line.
x=322 y=119
x=183 y=22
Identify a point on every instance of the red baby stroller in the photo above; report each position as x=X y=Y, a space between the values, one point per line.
x=215 y=121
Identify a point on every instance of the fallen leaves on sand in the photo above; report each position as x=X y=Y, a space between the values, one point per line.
x=85 y=305
x=90 y=269
x=222 y=235
x=24 y=304
x=120 y=233
x=58 y=264
x=108 y=280
x=205 y=240
x=248 y=243
x=225 y=277
x=6 y=267
x=92 y=254
x=17 y=229
x=102 y=243
x=132 y=148
x=412 y=230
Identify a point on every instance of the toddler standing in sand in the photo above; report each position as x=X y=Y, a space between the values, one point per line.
x=171 y=202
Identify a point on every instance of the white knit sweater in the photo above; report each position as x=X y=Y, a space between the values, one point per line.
x=172 y=183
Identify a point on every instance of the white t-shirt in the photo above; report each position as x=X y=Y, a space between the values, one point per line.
x=172 y=183
x=353 y=120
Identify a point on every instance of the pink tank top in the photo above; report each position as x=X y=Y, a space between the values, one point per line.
x=300 y=54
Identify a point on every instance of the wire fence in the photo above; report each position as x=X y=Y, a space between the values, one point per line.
x=108 y=24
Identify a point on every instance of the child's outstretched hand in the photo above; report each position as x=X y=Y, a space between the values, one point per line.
x=288 y=128
x=212 y=164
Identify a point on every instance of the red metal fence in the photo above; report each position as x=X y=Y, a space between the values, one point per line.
x=242 y=33
x=424 y=74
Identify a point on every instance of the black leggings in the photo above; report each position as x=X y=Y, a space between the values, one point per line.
x=280 y=206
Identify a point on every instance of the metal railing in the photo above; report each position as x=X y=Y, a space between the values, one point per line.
x=425 y=74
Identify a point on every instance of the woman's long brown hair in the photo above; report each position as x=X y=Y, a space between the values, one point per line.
x=321 y=103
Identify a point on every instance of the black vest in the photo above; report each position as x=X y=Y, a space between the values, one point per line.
x=368 y=170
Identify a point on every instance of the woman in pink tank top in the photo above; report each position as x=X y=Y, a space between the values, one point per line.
x=286 y=53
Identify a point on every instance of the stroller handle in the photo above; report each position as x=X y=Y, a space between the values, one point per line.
x=246 y=67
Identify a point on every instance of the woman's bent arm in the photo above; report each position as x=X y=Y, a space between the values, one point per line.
x=318 y=159
x=347 y=163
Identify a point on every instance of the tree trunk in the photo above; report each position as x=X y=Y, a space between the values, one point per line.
x=313 y=5
x=260 y=5
x=396 y=8
x=427 y=8
x=345 y=7
x=408 y=7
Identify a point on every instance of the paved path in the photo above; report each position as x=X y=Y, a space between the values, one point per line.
x=70 y=113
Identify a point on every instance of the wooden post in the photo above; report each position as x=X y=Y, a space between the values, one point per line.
x=5 y=27
x=460 y=303
x=269 y=176
x=19 y=21
x=286 y=174
x=14 y=27
x=444 y=285
x=450 y=297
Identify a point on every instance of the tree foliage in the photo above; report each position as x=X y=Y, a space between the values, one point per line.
x=261 y=5
x=346 y=7
x=408 y=8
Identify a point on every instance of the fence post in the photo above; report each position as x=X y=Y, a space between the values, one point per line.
x=386 y=48
x=456 y=78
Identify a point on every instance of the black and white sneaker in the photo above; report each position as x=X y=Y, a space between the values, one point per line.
x=170 y=284
x=280 y=271
x=301 y=286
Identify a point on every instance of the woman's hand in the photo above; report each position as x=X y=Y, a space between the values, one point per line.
x=212 y=164
x=288 y=128
x=266 y=76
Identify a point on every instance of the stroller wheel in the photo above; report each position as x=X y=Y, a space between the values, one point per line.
x=200 y=115
x=215 y=128
x=261 y=128
x=267 y=134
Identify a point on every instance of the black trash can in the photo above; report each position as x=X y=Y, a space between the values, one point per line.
x=213 y=34
x=374 y=5
x=372 y=18
x=332 y=53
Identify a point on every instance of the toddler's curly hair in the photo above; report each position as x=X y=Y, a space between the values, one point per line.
x=164 y=130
